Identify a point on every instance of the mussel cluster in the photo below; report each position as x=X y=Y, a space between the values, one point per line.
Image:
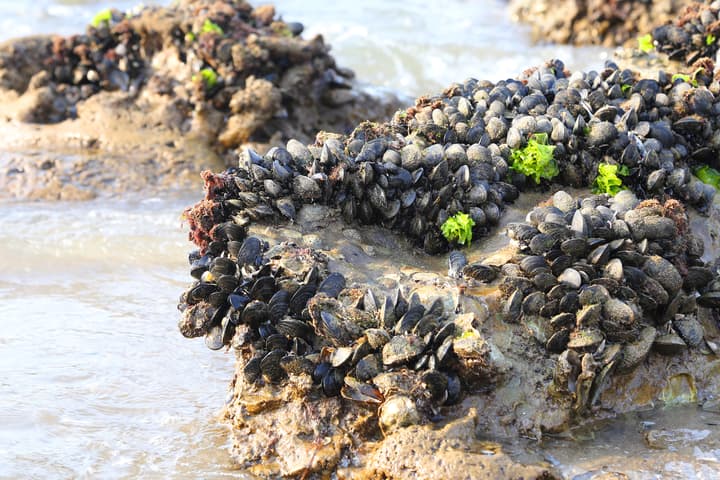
x=294 y=319
x=692 y=36
x=602 y=281
x=452 y=153
x=221 y=45
x=106 y=57
x=409 y=189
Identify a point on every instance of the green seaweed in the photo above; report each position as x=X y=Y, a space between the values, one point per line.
x=708 y=175
x=710 y=39
x=104 y=16
x=211 y=27
x=281 y=29
x=607 y=180
x=458 y=228
x=645 y=43
x=685 y=78
x=208 y=77
x=190 y=37
x=625 y=87
x=536 y=159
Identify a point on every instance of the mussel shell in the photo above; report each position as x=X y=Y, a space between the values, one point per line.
x=332 y=382
x=531 y=263
x=250 y=252
x=341 y=356
x=321 y=369
x=689 y=329
x=634 y=353
x=368 y=367
x=669 y=344
x=306 y=188
x=238 y=301
x=278 y=305
x=454 y=389
x=227 y=283
x=456 y=262
x=479 y=272
x=263 y=289
x=300 y=298
x=223 y=266
x=408 y=321
x=200 y=292
x=294 y=328
x=214 y=337
x=251 y=371
x=557 y=343
x=254 y=313
x=709 y=300
x=575 y=247
x=270 y=367
x=436 y=384
x=697 y=278
x=276 y=341
x=217 y=299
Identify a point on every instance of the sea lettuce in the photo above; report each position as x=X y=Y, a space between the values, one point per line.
x=536 y=159
x=607 y=180
x=458 y=228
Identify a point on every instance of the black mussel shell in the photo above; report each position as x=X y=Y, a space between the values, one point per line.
x=252 y=370
x=300 y=298
x=332 y=285
x=263 y=289
x=278 y=305
x=270 y=367
x=332 y=382
x=294 y=328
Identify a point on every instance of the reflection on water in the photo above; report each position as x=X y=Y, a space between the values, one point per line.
x=673 y=443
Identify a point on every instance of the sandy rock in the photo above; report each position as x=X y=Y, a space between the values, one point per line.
x=420 y=452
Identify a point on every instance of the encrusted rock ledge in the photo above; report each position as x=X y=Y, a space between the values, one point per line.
x=603 y=304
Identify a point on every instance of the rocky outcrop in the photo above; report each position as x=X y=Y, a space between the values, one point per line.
x=593 y=22
x=174 y=88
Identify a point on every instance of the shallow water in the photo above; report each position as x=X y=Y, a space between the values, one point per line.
x=96 y=382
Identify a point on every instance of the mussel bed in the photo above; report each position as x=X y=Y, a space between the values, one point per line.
x=598 y=282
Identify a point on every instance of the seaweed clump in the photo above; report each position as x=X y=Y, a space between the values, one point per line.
x=458 y=228
x=536 y=159
x=607 y=180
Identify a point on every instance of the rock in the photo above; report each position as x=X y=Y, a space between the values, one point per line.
x=570 y=22
x=403 y=455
